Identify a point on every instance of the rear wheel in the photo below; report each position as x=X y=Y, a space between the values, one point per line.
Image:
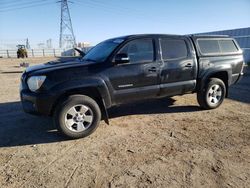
x=78 y=116
x=212 y=95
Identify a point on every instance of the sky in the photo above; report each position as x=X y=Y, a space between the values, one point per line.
x=97 y=20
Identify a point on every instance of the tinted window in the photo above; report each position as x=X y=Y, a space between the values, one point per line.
x=228 y=46
x=102 y=50
x=173 y=48
x=140 y=50
x=209 y=46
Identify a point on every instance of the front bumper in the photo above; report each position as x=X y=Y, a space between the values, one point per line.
x=37 y=103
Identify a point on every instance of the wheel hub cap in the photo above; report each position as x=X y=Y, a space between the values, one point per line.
x=78 y=118
x=214 y=94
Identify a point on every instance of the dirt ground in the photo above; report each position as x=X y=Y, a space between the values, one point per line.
x=157 y=143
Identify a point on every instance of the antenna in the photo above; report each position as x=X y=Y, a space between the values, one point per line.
x=67 y=37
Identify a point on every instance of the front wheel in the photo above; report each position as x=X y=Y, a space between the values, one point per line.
x=212 y=95
x=78 y=116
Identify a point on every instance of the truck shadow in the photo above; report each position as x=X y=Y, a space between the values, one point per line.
x=155 y=106
x=19 y=129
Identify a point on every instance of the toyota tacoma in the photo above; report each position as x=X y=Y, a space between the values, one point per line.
x=77 y=93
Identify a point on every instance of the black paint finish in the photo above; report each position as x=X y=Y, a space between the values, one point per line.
x=122 y=83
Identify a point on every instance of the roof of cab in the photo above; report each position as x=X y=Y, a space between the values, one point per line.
x=194 y=37
x=151 y=35
x=170 y=35
x=146 y=35
x=208 y=36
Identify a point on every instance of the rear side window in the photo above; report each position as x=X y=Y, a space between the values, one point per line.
x=228 y=46
x=173 y=48
x=209 y=46
x=217 y=46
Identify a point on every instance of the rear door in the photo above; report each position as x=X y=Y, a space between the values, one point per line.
x=179 y=68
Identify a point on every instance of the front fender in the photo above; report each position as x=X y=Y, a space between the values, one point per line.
x=81 y=84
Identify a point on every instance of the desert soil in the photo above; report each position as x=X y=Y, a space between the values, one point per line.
x=156 y=143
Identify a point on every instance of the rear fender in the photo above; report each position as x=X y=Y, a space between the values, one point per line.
x=202 y=81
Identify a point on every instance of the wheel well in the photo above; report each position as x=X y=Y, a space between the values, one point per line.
x=89 y=91
x=223 y=75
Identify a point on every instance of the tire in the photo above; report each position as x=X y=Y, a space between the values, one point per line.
x=77 y=117
x=212 y=95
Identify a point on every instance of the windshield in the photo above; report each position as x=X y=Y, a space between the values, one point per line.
x=101 y=51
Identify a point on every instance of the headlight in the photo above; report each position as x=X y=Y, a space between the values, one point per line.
x=35 y=82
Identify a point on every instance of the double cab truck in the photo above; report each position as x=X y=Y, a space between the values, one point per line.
x=77 y=93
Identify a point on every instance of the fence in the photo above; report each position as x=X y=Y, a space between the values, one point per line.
x=246 y=54
x=41 y=52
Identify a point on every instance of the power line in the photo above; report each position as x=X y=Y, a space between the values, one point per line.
x=10 y=2
x=103 y=7
x=116 y=7
x=24 y=7
x=137 y=15
x=6 y=6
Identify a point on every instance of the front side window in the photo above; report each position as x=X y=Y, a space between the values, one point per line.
x=173 y=49
x=139 y=50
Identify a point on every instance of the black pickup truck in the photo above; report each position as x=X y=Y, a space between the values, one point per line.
x=77 y=93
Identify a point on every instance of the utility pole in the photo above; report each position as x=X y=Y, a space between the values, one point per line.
x=49 y=43
x=67 y=37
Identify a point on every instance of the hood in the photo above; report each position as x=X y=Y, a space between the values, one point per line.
x=52 y=65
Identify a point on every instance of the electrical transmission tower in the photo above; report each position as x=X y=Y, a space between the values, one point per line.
x=67 y=37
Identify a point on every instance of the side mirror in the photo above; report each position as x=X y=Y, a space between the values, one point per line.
x=82 y=54
x=121 y=58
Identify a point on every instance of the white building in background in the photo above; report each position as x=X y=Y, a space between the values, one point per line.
x=242 y=35
x=83 y=44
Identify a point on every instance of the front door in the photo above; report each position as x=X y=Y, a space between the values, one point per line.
x=139 y=78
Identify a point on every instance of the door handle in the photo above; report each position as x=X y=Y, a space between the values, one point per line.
x=189 y=65
x=152 y=69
